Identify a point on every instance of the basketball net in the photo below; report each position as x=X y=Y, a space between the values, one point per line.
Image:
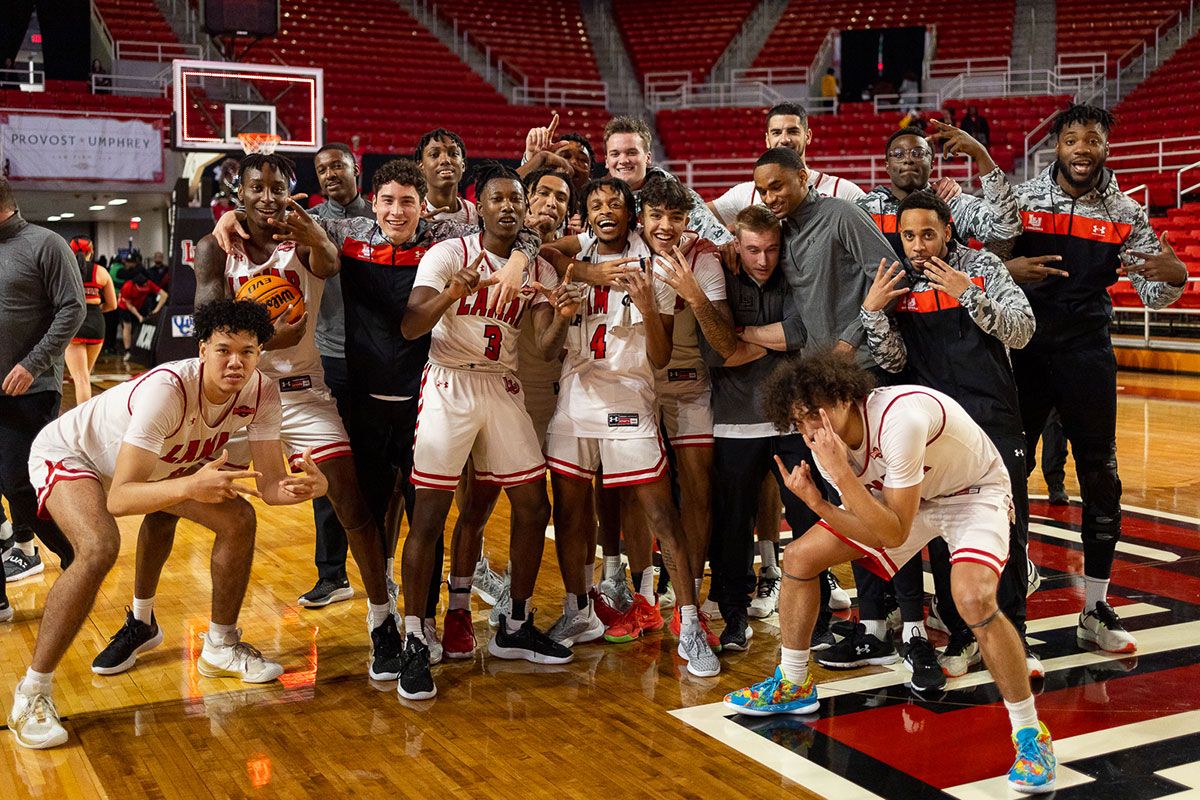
x=264 y=143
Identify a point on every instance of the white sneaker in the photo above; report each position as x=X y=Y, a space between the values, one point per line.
x=617 y=592
x=34 y=721
x=766 y=598
x=960 y=655
x=693 y=648
x=667 y=598
x=839 y=599
x=711 y=608
x=934 y=620
x=1033 y=664
x=436 y=651
x=577 y=626
x=1033 y=579
x=1102 y=626
x=487 y=584
x=236 y=660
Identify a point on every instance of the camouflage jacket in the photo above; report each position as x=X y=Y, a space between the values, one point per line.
x=959 y=345
x=1094 y=234
x=990 y=218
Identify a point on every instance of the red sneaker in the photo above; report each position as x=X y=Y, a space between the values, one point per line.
x=642 y=617
x=458 y=634
x=714 y=641
x=607 y=614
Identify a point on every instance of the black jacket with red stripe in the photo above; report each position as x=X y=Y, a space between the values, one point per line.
x=1094 y=235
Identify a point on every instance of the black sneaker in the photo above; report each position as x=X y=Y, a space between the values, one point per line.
x=6 y=611
x=18 y=565
x=416 y=681
x=1059 y=496
x=325 y=592
x=860 y=649
x=122 y=651
x=921 y=659
x=822 y=640
x=737 y=633
x=527 y=643
x=386 y=650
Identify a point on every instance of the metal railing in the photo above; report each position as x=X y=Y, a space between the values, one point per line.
x=99 y=23
x=560 y=92
x=1145 y=190
x=1176 y=154
x=710 y=95
x=951 y=67
x=770 y=75
x=1142 y=50
x=824 y=54
x=28 y=79
x=157 y=51
x=1151 y=316
x=1180 y=189
x=140 y=85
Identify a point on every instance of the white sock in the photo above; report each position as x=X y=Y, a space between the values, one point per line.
x=143 y=610
x=613 y=567
x=1095 y=591
x=513 y=625
x=460 y=592
x=1022 y=714
x=794 y=664
x=389 y=571
x=377 y=614
x=697 y=583
x=219 y=635
x=876 y=628
x=414 y=626
x=646 y=590
x=27 y=548
x=912 y=630
x=766 y=552
x=35 y=682
x=689 y=619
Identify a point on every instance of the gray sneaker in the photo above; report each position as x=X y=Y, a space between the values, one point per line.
x=503 y=605
x=577 y=626
x=618 y=592
x=487 y=584
x=701 y=660
x=18 y=566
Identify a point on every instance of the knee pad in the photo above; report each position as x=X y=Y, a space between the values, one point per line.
x=1100 y=486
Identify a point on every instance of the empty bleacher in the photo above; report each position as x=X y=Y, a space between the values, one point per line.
x=1111 y=27
x=686 y=36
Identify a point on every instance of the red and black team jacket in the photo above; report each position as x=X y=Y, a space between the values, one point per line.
x=1094 y=235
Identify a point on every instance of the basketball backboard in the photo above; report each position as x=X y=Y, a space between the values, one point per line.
x=214 y=101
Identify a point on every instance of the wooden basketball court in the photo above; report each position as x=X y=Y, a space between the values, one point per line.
x=604 y=725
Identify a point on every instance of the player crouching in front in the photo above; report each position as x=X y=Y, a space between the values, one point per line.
x=910 y=466
x=158 y=443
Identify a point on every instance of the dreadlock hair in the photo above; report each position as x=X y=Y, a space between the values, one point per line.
x=281 y=164
x=401 y=171
x=615 y=184
x=1083 y=114
x=805 y=384
x=664 y=191
x=436 y=135
x=232 y=316
x=487 y=171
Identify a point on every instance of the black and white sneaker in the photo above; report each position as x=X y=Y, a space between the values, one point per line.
x=386 y=650
x=527 y=643
x=6 y=611
x=860 y=649
x=822 y=640
x=737 y=633
x=1103 y=627
x=921 y=660
x=123 y=648
x=325 y=592
x=416 y=680
x=18 y=565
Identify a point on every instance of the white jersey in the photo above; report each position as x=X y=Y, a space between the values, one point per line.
x=607 y=384
x=467 y=336
x=916 y=435
x=745 y=195
x=686 y=361
x=467 y=213
x=297 y=369
x=162 y=411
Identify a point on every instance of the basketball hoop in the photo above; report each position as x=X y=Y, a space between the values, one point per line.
x=264 y=143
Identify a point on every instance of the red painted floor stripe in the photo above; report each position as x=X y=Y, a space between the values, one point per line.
x=915 y=740
x=1139 y=577
x=1177 y=534
x=1065 y=600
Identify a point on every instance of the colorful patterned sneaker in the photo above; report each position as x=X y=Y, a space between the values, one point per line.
x=1033 y=771
x=775 y=695
x=642 y=617
x=1102 y=626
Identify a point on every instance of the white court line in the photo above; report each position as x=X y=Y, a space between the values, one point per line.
x=1122 y=546
x=1185 y=775
x=1150 y=641
x=711 y=719
x=1090 y=745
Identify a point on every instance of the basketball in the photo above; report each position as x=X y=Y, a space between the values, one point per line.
x=275 y=293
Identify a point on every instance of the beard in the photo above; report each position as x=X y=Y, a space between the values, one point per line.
x=1092 y=179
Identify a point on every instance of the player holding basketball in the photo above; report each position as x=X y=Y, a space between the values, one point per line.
x=310 y=419
x=135 y=450
x=910 y=466
x=471 y=407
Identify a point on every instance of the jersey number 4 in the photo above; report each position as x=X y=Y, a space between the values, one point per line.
x=494 y=335
x=598 y=345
